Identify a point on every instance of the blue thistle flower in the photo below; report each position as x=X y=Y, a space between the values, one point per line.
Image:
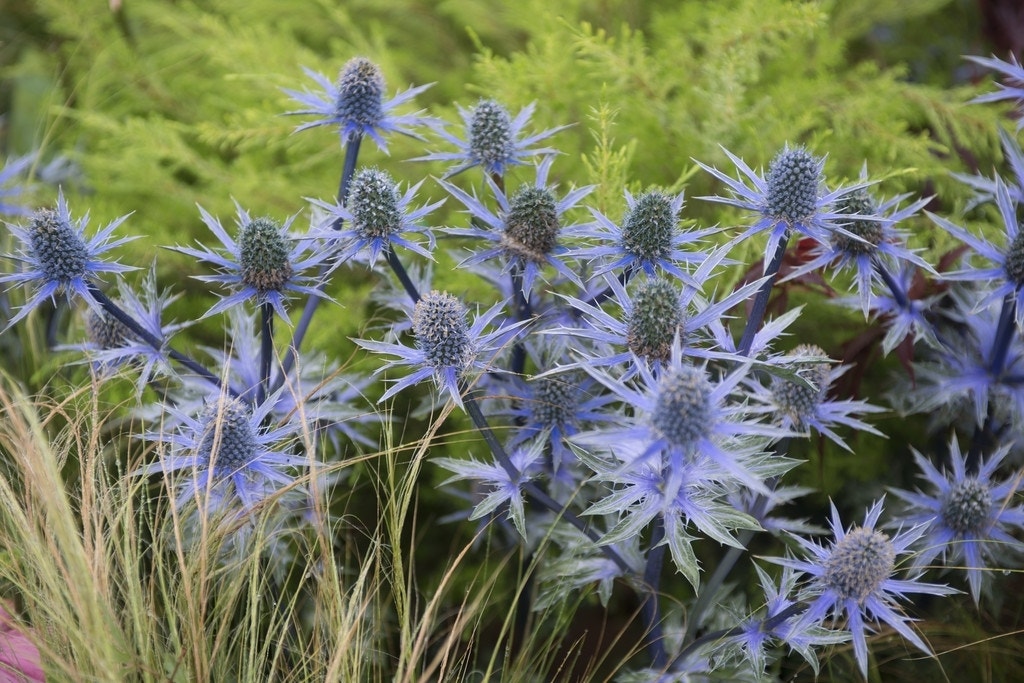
x=378 y=215
x=878 y=244
x=227 y=455
x=492 y=140
x=790 y=198
x=447 y=347
x=967 y=517
x=264 y=264
x=986 y=187
x=1014 y=74
x=680 y=413
x=799 y=407
x=649 y=238
x=526 y=233
x=854 y=577
x=356 y=104
x=654 y=318
x=13 y=167
x=56 y=257
x=112 y=344
x=1008 y=269
x=760 y=630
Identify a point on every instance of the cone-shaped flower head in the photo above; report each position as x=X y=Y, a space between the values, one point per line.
x=228 y=439
x=654 y=320
x=860 y=562
x=439 y=325
x=649 y=226
x=61 y=251
x=491 y=140
x=373 y=201
x=494 y=140
x=531 y=224
x=1015 y=259
x=56 y=256
x=858 y=203
x=800 y=402
x=356 y=104
x=555 y=403
x=967 y=507
x=360 y=99
x=682 y=408
x=105 y=331
x=855 y=577
x=794 y=177
x=264 y=255
x=265 y=264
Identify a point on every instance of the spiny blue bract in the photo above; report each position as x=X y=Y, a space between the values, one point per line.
x=793 y=180
x=682 y=412
x=264 y=255
x=360 y=92
x=373 y=201
x=648 y=226
x=860 y=562
x=799 y=401
x=229 y=441
x=654 y=320
x=531 y=225
x=967 y=507
x=490 y=134
x=61 y=253
x=439 y=324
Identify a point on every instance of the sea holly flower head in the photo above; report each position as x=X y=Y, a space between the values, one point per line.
x=1007 y=271
x=525 y=232
x=378 y=216
x=805 y=404
x=969 y=521
x=868 y=241
x=648 y=239
x=655 y=316
x=494 y=140
x=356 y=104
x=263 y=265
x=790 y=198
x=447 y=347
x=56 y=257
x=116 y=345
x=854 y=577
x=682 y=413
x=227 y=454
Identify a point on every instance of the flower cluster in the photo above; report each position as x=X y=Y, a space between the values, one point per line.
x=624 y=420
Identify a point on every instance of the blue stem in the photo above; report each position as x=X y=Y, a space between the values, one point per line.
x=347 y=171
x=266 y=349
x=156 y=344
x=650 y=608
x=403 y=275
x=537 y=494
x=760 y=306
